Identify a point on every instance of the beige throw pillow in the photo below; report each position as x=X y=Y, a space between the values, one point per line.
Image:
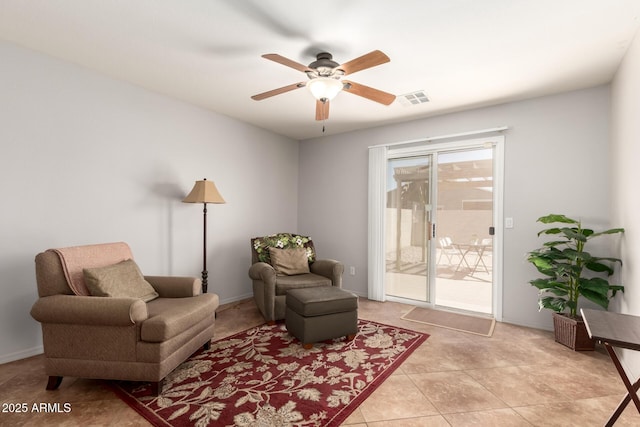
x=288 y=262
x=123 y=279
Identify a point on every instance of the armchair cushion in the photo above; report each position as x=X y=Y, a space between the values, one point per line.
x=169 y=317
x=310 y=280
x=289 y=262
x=123 y=279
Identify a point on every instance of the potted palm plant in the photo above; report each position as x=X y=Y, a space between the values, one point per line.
x=570 y=273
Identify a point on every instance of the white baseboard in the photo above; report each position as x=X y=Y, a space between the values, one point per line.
x=6 y=358
x=360 y=294
x=236 y=299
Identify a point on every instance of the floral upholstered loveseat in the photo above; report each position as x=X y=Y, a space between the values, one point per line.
x=285 y=261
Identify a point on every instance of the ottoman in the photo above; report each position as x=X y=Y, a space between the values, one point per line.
x=321 y=313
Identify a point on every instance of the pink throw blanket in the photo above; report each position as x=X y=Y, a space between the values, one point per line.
x=75 y=258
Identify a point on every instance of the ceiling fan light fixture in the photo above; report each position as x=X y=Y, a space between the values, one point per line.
x=324 y=88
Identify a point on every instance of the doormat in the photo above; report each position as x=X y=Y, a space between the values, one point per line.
x=456 y=321
x=264 y=377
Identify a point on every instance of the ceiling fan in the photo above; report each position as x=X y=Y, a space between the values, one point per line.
x=325 y=79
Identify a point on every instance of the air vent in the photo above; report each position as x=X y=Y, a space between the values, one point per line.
x=413 y=98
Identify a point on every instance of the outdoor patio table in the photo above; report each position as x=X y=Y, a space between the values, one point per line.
x=616 y=330
x=475 y=248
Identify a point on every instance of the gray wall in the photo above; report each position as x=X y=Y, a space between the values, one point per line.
x=87 y=159
x=556 y=160
x=625 y=139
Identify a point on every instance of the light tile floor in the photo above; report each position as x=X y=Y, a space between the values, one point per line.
x=518 y=377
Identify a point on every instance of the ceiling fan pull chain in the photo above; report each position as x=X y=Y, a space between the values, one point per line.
x=324 y=115
x=324 y=120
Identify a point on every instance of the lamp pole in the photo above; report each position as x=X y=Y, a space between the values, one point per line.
x=205 y=273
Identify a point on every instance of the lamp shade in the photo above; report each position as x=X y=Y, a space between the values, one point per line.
x=204 y=192
x=324 y=88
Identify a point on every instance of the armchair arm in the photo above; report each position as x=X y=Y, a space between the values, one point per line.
x=329 y=268
x=264 y=288
x=263 y=271
x=81 y=310
x=175 y=286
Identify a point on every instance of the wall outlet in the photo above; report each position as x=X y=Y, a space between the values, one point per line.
x=352 y=270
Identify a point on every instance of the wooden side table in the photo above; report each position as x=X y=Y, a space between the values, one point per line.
x=616 y=330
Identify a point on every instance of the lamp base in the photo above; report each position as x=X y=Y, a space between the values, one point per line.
x=205 y=285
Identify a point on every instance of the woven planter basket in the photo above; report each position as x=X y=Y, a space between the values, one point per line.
x=572 y=333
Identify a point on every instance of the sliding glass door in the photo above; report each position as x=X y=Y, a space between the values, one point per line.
x=439 y=225
x=464 y=235
x=408 y=229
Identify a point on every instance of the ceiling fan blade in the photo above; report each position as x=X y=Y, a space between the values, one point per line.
x=322 y=110
x=369 y=92
x=278 y=91
x=363 y=62
x=286 y=61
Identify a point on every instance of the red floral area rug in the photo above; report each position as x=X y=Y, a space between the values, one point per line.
x=263 y=377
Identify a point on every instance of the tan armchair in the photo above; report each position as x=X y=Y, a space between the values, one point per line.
x=273 y=277
x=116 y=337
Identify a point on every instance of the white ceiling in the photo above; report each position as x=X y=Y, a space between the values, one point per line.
x=462 y=53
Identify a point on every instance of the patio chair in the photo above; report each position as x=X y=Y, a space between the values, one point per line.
x=448 y=250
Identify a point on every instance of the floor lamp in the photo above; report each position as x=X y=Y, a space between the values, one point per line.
x=204 y=192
